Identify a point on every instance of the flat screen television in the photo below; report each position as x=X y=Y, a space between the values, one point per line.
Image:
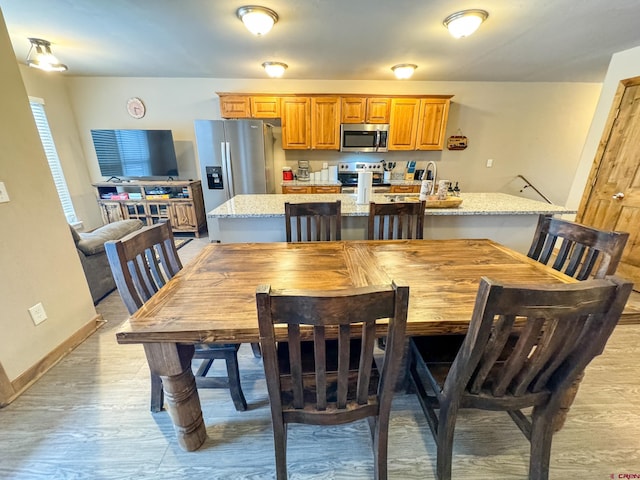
x=135 y=153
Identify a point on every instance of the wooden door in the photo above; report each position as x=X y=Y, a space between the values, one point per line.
x=325 y=123
x=354 y=109
x=265 y=107
x=378 y=110
x=235 y=106
x=296 y=123
x=611 y=200
x=183 y=216
x=433 y=122
x=403 y=124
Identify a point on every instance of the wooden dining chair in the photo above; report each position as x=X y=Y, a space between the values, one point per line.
x=335 y=381
x=142 y=263
x=577 y=250
x=560 y=328
x=396 y=220
x=313 y=221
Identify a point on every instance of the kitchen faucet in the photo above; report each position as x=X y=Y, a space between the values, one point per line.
x=431 y=171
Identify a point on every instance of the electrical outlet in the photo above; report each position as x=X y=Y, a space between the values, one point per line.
x=38 y=315
x=490 y=163
x=4 y=195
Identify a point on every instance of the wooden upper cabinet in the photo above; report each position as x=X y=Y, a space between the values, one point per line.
x=378 y=110
x=325 y=123
x=434 y=113
x=296 y=122
x=403 y=123
x=365 y=109
x=354 y=109
x=235 y=106
x=265 y=107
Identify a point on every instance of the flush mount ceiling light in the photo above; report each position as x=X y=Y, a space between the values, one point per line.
x=464 y=23
x=40 y=56
x=404 y=70
x=275 y=69
x=258 y=20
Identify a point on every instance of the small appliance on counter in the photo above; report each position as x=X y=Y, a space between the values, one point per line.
x=303 y=170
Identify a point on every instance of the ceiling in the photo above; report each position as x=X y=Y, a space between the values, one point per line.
x=521 y=41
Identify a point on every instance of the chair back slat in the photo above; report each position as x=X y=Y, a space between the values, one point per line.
x=583 y=251
x=142 y=263
x=341 y=380
x=320 y=354
x=313 y=221
x=495 y=345
x=559 y=330
x=366 y=358
x=295 y=360
x=396 y=221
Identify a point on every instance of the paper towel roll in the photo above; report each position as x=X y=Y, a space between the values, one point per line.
x=365 y=179
x=333 y=173
x=325 y=174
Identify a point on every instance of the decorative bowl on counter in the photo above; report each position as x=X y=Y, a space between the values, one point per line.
x=432 y=200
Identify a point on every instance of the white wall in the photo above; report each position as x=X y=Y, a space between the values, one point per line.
x=623 y=65
x=533 y=129
x=38 y=259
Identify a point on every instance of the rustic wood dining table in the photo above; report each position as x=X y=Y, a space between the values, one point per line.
x=212 y=299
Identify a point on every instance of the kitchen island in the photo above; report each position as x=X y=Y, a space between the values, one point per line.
x=504 y=218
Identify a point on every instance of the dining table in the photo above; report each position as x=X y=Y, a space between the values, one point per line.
x=212 y=299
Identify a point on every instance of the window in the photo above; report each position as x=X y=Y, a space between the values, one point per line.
x=37 y=107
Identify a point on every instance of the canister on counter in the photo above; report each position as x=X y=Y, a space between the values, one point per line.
x=426 y=189
x=443 y=188
x=287 y=173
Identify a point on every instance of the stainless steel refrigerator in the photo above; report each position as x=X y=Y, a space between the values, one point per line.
x=236 y=157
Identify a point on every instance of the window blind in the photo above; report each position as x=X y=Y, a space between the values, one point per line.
x=37 y=107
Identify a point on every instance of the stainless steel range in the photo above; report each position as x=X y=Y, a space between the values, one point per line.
x=348 y=172
x=348 y=176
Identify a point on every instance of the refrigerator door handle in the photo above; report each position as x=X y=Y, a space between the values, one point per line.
x=225 y=174
x=227 y=161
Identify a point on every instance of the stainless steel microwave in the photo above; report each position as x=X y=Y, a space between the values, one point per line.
x=364 y=137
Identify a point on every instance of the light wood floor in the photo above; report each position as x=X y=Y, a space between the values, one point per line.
x=88 y=418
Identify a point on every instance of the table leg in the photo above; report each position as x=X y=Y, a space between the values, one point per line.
x=173 y=363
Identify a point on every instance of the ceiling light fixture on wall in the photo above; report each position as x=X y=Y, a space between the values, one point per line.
x=258 y=20
x=275 y=69
x=404 y=70
x=464 y=23
x=40 y=56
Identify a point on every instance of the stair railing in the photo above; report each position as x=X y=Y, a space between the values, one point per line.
x=529 y=184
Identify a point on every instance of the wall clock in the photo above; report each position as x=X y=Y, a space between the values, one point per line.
x=135 y=107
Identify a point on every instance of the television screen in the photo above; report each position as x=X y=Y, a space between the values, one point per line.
x=135 y=153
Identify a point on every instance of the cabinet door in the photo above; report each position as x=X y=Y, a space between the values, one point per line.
x=183 y=216
x=326 y=189
x=235 y=106
x=294 y=189
x=378 y=110
x=403 y=123
x=135 y=210
x=325 y=123
x=296 y=123
x=111 y=212
x=434 y=113
x=265 y=107
x=405 y=188
x=353 y=109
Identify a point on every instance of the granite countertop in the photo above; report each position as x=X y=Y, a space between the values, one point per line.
x=272 y=205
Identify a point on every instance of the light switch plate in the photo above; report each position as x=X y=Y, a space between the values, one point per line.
x=4 y=195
